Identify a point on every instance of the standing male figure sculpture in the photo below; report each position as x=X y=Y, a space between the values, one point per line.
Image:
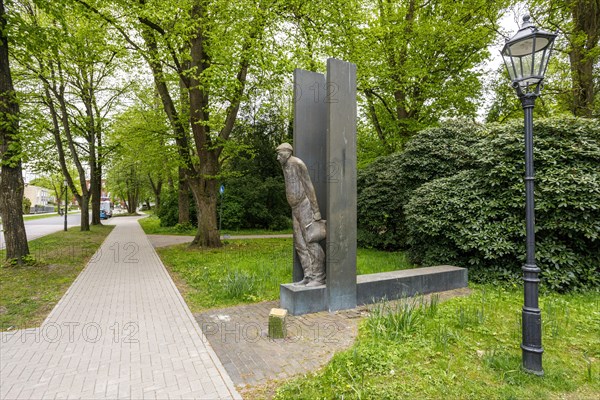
x=309 y=228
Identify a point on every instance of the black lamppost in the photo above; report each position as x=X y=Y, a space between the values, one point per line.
x=66 y=201
x=526 y=57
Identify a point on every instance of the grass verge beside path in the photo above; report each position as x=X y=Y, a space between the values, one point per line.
x=245 y=271
x=465 y=348
x=46 y=215
x=151 y=226
x=39 y=216
x=28 y=293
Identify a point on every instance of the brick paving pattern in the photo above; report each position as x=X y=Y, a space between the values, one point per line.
x=239 y=337
x=122 y=330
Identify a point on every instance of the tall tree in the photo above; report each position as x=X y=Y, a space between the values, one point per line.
x=417 y=60
x=578 y=24
x=11 y=178
x=210 y=46
x=144 y=156
x=73 y=61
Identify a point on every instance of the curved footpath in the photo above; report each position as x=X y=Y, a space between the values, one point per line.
x=122 y=330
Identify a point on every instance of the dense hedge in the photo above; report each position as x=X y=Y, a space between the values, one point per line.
x=252 y=201
x=475 y=218
x=169 y=209
x=386 y=185
x=254 y=195
x=249 y=202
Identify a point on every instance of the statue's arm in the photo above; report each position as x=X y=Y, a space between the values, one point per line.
x=310 y=191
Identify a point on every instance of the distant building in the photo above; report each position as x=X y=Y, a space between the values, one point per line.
x=38 y=196
x=40 y=199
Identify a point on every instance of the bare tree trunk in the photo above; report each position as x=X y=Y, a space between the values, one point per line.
x=156 y=189
x=183 y=199
x=132 y=201
x=11 y=178
x=84 y=205
x=586 y=19
x=208 y=234
x=95 y=184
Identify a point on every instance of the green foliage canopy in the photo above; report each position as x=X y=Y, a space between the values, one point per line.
x=386 y=185
x=475 y=218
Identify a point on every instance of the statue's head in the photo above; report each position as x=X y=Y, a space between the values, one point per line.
x=284 y=151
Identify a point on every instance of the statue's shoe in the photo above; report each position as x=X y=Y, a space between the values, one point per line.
x=315 y=284
x=303 y=282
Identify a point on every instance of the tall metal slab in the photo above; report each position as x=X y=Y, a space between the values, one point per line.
x=310 y=140
x=340 y=97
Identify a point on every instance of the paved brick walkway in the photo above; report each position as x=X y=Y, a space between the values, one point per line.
x=122 y=330
x=239 y=337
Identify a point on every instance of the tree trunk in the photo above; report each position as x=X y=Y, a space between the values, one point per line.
x=95 y=185
x=131 y=202
x=11 y=211
x=183 y=199
x=583 y=84
x=157 y=201
x=84 y=204
x=11 y=178
x=584 y=43
x=157 y=190
x=203 y=184
x=208 y=234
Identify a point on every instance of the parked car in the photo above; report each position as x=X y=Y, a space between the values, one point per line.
x=105 y=206
x=103 y=214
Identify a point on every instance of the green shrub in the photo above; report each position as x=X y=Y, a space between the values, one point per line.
x=252 y=201
x=476 y=218
x=169 y=209
x=26 y=205
x=386 y=185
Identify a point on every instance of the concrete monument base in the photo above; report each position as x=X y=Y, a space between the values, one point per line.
x=300 y=300
x=371 y=288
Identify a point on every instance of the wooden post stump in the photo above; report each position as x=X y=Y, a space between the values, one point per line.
x=277 y=323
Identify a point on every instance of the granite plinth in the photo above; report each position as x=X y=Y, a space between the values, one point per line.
x=371 y=288
x=300 y=300
x=409 y=282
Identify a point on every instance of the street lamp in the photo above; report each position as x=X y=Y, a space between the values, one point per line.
x=526 y=57
x=66 y=201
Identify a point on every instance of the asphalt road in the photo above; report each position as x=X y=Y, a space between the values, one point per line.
x=41 y=227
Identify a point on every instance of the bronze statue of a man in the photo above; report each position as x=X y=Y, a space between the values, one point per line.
x=301 y=196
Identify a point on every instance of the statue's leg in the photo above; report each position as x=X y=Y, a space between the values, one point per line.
x=318 y=266
x=300 y=245
x=315 y=269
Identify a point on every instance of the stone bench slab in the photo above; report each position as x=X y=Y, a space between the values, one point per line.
x=371 y=288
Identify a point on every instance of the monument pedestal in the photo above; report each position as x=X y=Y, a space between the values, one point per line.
x=372 y=288
x=394 y=285
x=300 y=300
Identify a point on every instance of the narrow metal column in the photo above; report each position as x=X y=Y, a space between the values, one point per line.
x=531 y=315
x=341 y=184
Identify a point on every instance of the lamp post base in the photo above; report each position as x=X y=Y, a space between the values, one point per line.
x=532 y=360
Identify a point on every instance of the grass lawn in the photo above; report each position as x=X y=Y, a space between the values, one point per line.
x=39 y=216
x=28 y=293
x=245 y=271
x=465 y=348
x=31 y=217
x=151 y=226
